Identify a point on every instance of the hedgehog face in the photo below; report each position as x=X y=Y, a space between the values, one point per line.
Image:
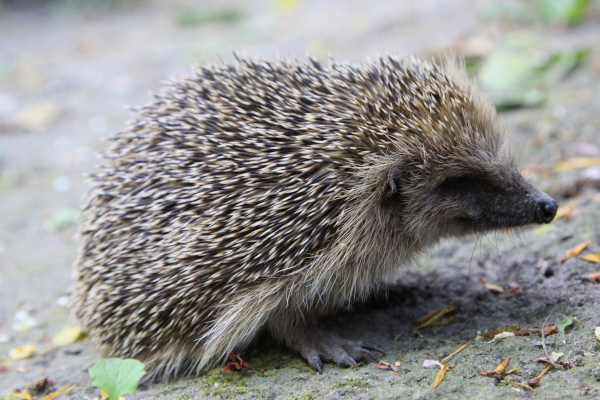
x=471 y=198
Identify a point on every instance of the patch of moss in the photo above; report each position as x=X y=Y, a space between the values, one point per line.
x=356 y=382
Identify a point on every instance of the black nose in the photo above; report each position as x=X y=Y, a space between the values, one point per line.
x=545 y=209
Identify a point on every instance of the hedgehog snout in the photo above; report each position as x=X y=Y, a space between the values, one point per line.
x=545 y=208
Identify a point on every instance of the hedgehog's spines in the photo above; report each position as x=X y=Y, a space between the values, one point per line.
x=258 y=192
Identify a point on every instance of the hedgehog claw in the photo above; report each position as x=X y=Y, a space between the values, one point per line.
x=373 y=357
x=371 y=347
x=350 y=361
x=317 y=347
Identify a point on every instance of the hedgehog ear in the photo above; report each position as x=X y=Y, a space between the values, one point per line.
x=396 y=179
x=390 y=186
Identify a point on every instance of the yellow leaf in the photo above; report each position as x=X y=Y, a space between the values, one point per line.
x=288 y=7
x=68 y=335
x=501 y=336
x=577 y=163
x=440 y=375
x=493 y=288
x=595 y=258
x=22 y=395
x=597 y=332
x=503 y=365
x=20 y=353
x=575 y=252
x=57 y=393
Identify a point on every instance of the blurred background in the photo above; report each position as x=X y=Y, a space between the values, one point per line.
x=69 y=68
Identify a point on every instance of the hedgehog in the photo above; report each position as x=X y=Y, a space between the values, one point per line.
x=251 y=196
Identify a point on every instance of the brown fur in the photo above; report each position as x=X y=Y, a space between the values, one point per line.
x=252 y=196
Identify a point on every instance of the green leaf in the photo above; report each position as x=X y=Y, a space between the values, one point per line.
x=562 y=325
x=116 y=376
x=569 y=12
x=196 y=16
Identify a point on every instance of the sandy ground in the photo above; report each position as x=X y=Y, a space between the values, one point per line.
x=66 y=75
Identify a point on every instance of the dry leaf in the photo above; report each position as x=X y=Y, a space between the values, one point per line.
x=597 y=332
x=22 y=352
x=237 y=363
x=387 y=366
x=502 y=365
x=510 y=328
x=577 y=163
x=514 y=288
x=22 y=394
x=593 y=277
x=536 y=381
x=60 y=391
x=440 y=375
x=445 y=359
x=433 y=317
x=432 y=363
x=68 y=335
x=595 y=258
x=495 y=289
x=575 y=251
x=501 y=336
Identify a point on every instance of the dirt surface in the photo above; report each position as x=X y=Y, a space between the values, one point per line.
x=65 y=75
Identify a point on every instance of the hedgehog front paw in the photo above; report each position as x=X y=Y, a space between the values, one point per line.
x=318 y=346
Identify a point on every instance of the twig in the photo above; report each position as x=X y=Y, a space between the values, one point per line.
x=550 y=359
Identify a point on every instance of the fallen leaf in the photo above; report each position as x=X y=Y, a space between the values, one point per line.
x=501 y=336
x=510 y=328
x=22 y=352
x=22 y=394
x=445 y=359
x=577 y=163
x=433 y=317
x=440 y=376
x=568 y=12
x=495 y=289
x=595 y=258
x=594 y=277
x=288 y=7
x=432 y=363
x=387 y=366
x=502 y=366
x=575 y=251
x=236 y=364
x=60 y=391
x=501 y=370
x=68 y=335
x=514 y=288
x=117 y=376
x=536 y=381
x=562 y=325
x=597 y=332
x=519 y=384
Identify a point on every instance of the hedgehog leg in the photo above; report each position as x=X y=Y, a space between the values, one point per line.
x=318 y=346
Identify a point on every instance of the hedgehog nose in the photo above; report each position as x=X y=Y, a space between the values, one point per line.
x=545 y=209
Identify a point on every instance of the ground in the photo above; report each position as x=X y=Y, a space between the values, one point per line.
x=67 y=69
